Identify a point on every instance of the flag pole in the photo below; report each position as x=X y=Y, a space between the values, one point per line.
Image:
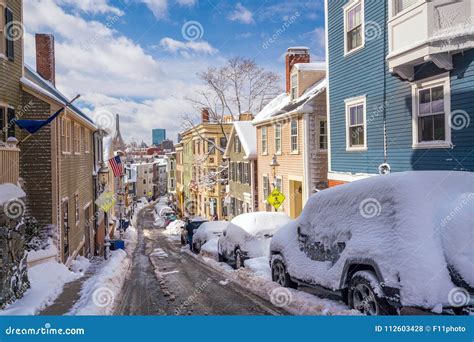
x=64 y=107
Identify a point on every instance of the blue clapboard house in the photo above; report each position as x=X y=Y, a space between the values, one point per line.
x=401 y=86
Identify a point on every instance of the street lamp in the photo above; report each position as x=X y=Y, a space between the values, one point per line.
x=274 y=164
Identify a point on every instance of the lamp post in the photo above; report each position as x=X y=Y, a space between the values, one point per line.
x=103 y=180
x=274 y=164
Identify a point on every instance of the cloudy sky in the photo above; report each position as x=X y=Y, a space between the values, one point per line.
x=139 y=58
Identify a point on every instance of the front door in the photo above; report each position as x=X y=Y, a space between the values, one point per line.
x=296 y=198
x=65 y=214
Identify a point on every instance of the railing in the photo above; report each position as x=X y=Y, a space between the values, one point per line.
x=9 y=161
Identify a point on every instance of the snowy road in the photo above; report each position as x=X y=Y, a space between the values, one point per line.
x=167 y=281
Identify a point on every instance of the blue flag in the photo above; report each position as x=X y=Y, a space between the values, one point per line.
x=33 y=126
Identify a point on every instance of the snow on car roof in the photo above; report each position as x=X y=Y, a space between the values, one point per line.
x=260 y=221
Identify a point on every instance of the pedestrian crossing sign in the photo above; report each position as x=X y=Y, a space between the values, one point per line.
x=276 y=198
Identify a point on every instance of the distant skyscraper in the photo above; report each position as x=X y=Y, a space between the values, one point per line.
x=158 y=135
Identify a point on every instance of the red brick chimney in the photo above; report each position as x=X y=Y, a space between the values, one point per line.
x=45 y=59
x=295 y=55
x=205 y=115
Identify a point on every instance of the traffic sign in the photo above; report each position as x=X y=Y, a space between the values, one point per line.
x=276 y=198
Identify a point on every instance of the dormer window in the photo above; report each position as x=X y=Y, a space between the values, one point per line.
x=294 y=86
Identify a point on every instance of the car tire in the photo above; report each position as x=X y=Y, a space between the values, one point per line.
x=281 y=276
x=239 y=259
x=220 y=257
x=196 y=250
x=364 y=295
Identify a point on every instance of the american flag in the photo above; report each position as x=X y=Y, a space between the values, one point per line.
x=117 y=166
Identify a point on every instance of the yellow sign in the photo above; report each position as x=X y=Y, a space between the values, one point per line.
x=106 y=201
x=276 y=198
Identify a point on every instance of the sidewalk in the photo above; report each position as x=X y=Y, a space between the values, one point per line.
x=71 y=293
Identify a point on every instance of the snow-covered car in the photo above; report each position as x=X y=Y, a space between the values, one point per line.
x=208 y=231
x=385 y=243
x=248 y=236
x=191 y=227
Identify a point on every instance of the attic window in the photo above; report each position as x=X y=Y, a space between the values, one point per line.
x=294 y=86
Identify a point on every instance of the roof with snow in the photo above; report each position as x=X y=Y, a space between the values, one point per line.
x=283 y=105
x=315 y=66
x=33 y=80
x=247 y=134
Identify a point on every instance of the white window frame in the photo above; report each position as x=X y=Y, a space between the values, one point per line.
x=264 y=141
x=319 y=134
x=294 y=151
x=349 y=103
x=391 y=8
x=350 y=5
x=3 y=46
x=439 y=80
x=278 y=150
x=265 y=184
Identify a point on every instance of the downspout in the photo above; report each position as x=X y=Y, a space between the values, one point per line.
x=306 y=153
x=385 y=140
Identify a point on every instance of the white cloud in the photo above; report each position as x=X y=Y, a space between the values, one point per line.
x=158 y=7
x=176 y=46
x=242 y=15
x=188 y=3
x=93 y=6
x=112 y=72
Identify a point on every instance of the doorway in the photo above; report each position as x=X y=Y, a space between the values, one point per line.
x=296 y=198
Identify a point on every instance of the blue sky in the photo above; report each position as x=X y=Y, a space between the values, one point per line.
x=140 y=57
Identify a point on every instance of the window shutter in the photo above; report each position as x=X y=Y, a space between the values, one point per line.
x=9 y=43
x=2 y=124
x=11 y=122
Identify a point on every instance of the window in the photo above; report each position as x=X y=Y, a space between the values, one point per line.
x=323 y=135
x=278 y=138
x=266 y=187
x=294 y=86
x=2 y=27
x=144 y=181
x=9 y=42
x=66 y=136
x=294 y=135
x=401 y=5
x=264 y=140
x=431 y=113
x=85 y=139
x=7 y=123
x=355 y=119
x=279 y=184
x=211 y=148
x=223 y=144
x=237 y=146
x=354 y=26
x=77 y=139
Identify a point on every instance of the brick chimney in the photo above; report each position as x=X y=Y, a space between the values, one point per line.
x=295 y=55
x=205 y=115
x=45 y=59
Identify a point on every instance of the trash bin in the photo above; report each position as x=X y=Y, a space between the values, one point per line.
x=117 y=244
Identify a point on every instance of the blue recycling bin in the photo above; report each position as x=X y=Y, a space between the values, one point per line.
x=117 y=244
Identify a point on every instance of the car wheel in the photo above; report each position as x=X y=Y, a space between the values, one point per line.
x=239 y=260
x=281 y=276
x=220 y=257
x=365 y=295
x=196 y=248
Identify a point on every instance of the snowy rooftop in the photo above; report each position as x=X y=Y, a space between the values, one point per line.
x=248 y=137
x=282 y=104
x=315 y=66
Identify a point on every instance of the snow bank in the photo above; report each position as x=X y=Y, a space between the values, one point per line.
x=394 y=220
x=99 y=293
x=35 y=257
x=209 y=230
x=80 y=265
x=210 y=248
x=47 y=282
x=260 y=267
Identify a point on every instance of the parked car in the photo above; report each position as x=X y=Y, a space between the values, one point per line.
x=169 y=217
x=208 y=231
x=385 y=243
x=248 y=236
x=190 y=228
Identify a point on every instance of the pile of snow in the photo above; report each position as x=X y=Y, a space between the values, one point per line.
x=101 y=292
x=399 y=222
x=10 y=192
x=210 y=248
x=174 y=228
x=159 y=222
x=80 y=265
x=160 y=253
x=47 y=282
x=209 y=230
x=260 y=267
x=35 y=257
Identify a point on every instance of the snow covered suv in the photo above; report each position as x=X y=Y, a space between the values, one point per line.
x=384 y=243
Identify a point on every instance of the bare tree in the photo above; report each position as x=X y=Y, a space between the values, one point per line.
x=238 y=86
